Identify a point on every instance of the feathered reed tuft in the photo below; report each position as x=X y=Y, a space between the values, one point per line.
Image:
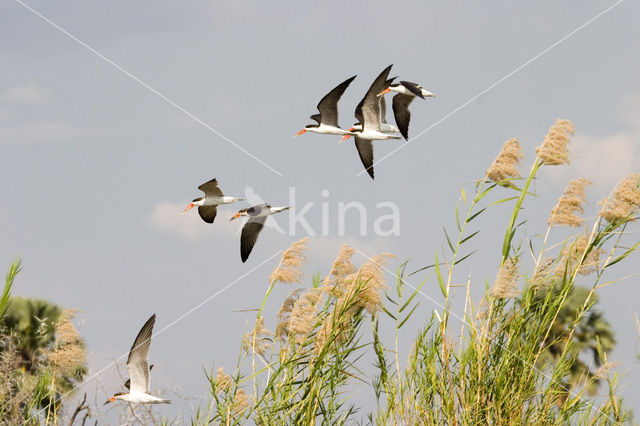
x=624 y=201
x=371 y=274
x=68 y=353
x=569 y=205
x=341 y=267
x=259 y=338
x=571 y=255
x=301 y=319
x=223 y=380
x=506 y=285
x=554 y=150
x=289 y=270
x=504 y=166
x=240 y=402
x=544 y=275
x=603 y=371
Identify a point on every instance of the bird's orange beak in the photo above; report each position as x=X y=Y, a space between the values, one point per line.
x=110 y=400
x=301 y=132
x=345 y=137
x=189 y=207
x=385 y=91
x=237 y=215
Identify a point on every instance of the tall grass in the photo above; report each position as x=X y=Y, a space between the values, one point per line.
x=516 y=355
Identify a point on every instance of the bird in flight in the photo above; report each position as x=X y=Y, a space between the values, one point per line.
x=328 y=117
x=369 y=118
x=406 y=93
x=208 y=205
x=138 y=368
x=257 y=216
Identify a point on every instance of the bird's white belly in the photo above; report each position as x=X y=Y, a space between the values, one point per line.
x=328 y=130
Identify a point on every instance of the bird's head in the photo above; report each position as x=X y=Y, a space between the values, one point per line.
x=114 y=397
x=242 y=212
x=196 y=202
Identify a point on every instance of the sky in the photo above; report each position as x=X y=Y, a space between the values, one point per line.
x=112 y=114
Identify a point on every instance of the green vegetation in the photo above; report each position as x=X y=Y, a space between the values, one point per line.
x=41 y=357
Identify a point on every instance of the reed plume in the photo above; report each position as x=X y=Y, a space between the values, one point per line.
x=258 y=339
x=554 y=150
x=289 y=270
x=504 y=166
x=565 y=212
x=571 y=255
x=223 y=380
x=68 y=353
x=624 y=201
x=506 y=285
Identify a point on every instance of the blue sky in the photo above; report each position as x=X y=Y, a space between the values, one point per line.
x=95 y=167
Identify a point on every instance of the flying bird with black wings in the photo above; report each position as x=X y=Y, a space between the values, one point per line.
x=213 y=197
x=406 y=93
x=138 y=369
x=328 y=117
x=257 y=216
x=369 y=118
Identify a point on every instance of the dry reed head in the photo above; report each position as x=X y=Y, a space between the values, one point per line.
x=554 y=150
x=504 y=166
x=240 y=402
x=289 y=270
x=573 y=253
x=372 y=275
x=68 y=353
x=258 y=339
x=506 y=285
x=603 y=371
x=565 y=212
x=302 y=317
x=341 y=267
x=223 y=380
x=544 y=275
x=624 y=201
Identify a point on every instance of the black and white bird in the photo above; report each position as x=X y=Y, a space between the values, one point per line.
x=368 y=115
x=257 y=216
x=213 y=197
x=328 y=117
x=138 y=368
x=406 y=92
x=384 y=126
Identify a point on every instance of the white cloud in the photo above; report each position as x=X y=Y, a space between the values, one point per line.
x=607 y=159
x=42 y=132
x=166 y=217
x=27 y=94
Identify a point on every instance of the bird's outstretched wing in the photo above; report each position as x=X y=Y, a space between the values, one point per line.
x=401 y=113
x=249 y=236
x=208 y=213
x=211 y=188
x=137 y=364
x=365 y=150
x=369 y=106
x=328 y=105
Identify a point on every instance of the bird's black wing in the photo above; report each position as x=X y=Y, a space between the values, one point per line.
x=137 y=364
x=370 y=104
x=249 y=236
x=365 y=150
x=208 y=213
x=401 y=113
x=413 y=88
x=211 y=188
x=328 y=106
